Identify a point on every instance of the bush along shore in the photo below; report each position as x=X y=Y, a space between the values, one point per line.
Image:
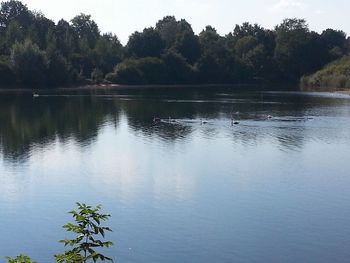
x=333 y=77
x=37 y=52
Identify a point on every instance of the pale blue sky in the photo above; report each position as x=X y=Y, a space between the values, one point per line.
x=123 y=17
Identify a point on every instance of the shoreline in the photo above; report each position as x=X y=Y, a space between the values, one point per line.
x=327 y=90
x=343 y=92
x=107 y=87
x=119 y=87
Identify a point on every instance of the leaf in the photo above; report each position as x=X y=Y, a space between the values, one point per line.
x=87 y=229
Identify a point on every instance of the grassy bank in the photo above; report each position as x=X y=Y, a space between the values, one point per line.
x=333 y=77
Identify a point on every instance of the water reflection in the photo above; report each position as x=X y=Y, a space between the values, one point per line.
x=28 y=123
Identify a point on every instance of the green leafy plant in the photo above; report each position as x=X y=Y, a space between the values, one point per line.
x=88 y=230
x=20 y=259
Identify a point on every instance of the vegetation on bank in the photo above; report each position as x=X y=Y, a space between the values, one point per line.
x=334 y=76
x=84 y=246
x=35 y=51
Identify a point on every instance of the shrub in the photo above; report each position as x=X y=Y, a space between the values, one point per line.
x=335 y=75
x=88 y=231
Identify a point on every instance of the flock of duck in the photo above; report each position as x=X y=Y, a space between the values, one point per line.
x=233 y=121
x=157 y=120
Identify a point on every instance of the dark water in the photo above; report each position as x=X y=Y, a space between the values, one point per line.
x=195 y=189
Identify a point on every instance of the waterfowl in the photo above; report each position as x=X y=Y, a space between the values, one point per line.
x=156 y=119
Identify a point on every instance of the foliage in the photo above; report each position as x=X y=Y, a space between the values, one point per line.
x=86 y=29
x=14 y=11
x=148 y=70
x=178 y=71
x=336 y=75
x=145 y=44
x=20 y=259
x=59 y=71
x=87 y=230
x=36 y=51
x=29 y=63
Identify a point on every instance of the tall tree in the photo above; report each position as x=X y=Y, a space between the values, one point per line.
x=29 y=63
x=108 y=52
x=14 y=10
x=292 y=48
x=147 y=43
x=86 y=29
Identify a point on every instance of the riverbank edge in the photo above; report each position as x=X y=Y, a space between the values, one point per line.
x=96 y=87
x=326 y=90
x=117 y=87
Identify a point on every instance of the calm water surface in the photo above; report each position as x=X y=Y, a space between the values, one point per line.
x=195 y=189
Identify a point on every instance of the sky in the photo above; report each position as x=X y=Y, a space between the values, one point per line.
x=123 y=17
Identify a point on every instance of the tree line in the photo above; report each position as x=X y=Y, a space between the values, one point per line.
x=35 y=51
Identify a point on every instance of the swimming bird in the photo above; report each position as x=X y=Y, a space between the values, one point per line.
x=35 y=95
x=203 y=122
x=233 y=122
x=156 y=119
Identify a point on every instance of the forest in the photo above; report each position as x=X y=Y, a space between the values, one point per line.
x=37 y=52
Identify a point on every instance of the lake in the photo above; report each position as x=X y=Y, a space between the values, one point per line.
x=273 y=188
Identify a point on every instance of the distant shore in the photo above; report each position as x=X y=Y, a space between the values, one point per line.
x=117 y=87
x=106 y=87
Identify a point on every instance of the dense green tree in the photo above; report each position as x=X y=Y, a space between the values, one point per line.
x=212 y=43
x=178 y=70
x=147 y=43
x=254 y=47
x=13 y=33
x=59 y=70
x=187 y=44
x=127 y=72
x=149 y=70
x=66 y=38
x=153 y=70
x=168 y=28
x=179 y=36
x=39 y=30
x=14 y=10
x=334 y=42
x=108 y=52
x=86 y=29
x=334 y=38
x=217 y=63
x=295 y=49
x=29 y=63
